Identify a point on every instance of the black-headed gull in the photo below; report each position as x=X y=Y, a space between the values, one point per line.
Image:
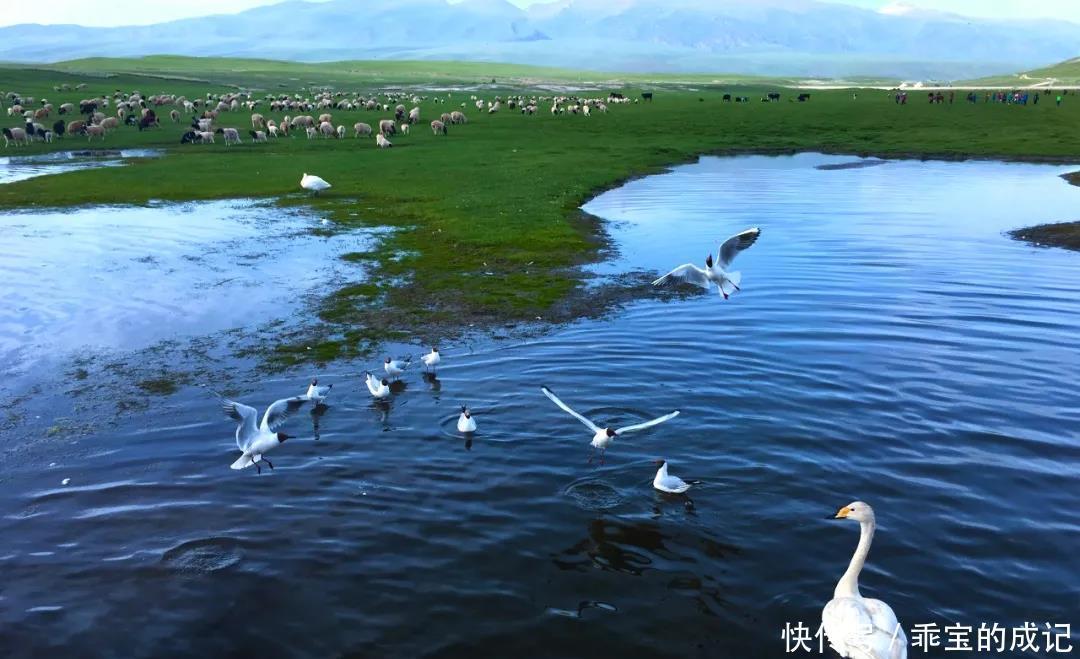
x=378 y=388
x=466 y=422
x=313 y=183
x=255 y=439
x=716 y=273
x=395 y=367
x=317 y=393
x=665 y=482
x=432 y=359
x=604 y=436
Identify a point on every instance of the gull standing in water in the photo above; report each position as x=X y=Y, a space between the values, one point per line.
x=715 y=273
x=395 y=367
x=313 y=183
x=604 y=436
x=856 y=626
x=466 y=422
x=317 y=393
x=379 y=389
x=255 y=439
x=665 y=482
x=432 y=359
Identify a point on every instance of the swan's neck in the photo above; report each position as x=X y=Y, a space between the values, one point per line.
x=662 y=472
x=848 y=586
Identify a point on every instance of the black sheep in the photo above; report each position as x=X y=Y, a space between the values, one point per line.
x=190 y=137
x=58 y=128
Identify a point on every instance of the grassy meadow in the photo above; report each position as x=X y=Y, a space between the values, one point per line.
x=499 y=195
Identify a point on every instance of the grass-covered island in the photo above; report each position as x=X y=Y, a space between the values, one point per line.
x=489 y=213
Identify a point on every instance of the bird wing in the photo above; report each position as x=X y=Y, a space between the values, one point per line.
x=687 y=272
x=863 y=628
x=566 y=408
x=370 y=380
x=281 y=410
x=323 y=390
x=244 y=415
x=731 y=247
x=647 y=424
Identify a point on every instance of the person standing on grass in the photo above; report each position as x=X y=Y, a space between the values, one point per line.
x=1059 y=100
x=1036 y=101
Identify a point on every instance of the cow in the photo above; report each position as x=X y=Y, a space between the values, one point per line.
x=804 y=97
x=727 y=98
x=774 y=96
x=646 y=96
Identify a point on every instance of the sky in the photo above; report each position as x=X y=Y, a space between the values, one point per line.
x=141 y=12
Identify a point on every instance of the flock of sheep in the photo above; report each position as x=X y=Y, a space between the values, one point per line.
x=311 y=116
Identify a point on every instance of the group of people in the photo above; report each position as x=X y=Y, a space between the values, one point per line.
x=1010 y=98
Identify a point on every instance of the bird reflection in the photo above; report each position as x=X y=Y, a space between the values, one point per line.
x=468 y=442
x=398 y=387
x=434 y=384
x=661 y=499
x=611 y=546
x=316 y=415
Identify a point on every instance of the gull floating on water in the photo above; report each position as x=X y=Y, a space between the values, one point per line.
x=255 y=439
x=432 y=359
x=317 y=393
x=466 y=422
x=857 y=626
x=715 y=273
x=604 y=436
x=395 y=367
x=665 y=482
x=378 y=389
x=313 y=183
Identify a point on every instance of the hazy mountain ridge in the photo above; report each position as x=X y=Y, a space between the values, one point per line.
x=792 y=37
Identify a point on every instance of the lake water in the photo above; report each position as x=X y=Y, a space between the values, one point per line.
x=890 y=345
x=19 y=168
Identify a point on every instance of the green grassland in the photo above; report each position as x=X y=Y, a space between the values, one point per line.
x=489 y=214
x=1062 y=74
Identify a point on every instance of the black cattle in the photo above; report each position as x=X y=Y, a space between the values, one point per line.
x=774 y=96
x=727 y=98
x=646 y=96
x=804 y=97
x=615 y=96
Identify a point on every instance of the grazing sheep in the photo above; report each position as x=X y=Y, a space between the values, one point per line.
x=387 y=127
x=58 y=128
x=41 y=113
x=272 y=130
x=311 y=132
x=109 y=123
x=94 y=131
x=327 y=129
x=76 y=127
x=175 y=116
x=66 y=107
x=257 y=121
x=458 y=118
x=414 y=115
x=15 y=135
x=341 y=132
x=257 y=135
x=361 y=128
x=438 y=127
x=48 y=136
x=445 y=117
x=404 y=129
x=382 y=142
x=585 y=110
x=190 y=137
x=399 y=113
x=479 y=105
x=325 y=118
x=494 y=107
x=206 y=136
x=231 y=135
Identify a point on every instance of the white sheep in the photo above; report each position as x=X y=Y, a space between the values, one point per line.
x=327 y=129
x=458 y=118
x=231 y=135
x=109 y=123
x=382 y=142
x=15 y=135
x=414 y=115
x=438 y=127
x=94 y=131
x=206 y=136
x=272 y=130
x=361 y=128
x=257 y=135
x=479 y=105
x=341 y=132
x=387 y=127
x=257 y=121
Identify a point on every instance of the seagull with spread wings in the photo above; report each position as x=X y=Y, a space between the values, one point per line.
x=715 y=273
x=254 y=438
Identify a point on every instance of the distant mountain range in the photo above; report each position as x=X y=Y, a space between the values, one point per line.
x=761 y=37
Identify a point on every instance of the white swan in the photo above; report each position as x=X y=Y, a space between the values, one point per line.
x=858 y=627
x=727 y=282
x=313 y=183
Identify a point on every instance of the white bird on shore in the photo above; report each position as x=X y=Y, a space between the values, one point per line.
x=665 y=482
x=726 y=282
x=378 y=389
x=466 y=422
x=255 y=439
x=432 y=359
x=317 y=393
x=395 y=367
x=313 y=183
x=604 y=436
x=857 y=626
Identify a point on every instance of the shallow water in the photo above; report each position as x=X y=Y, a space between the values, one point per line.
x=20 y=168
x=890 y=345
x=125 y=277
